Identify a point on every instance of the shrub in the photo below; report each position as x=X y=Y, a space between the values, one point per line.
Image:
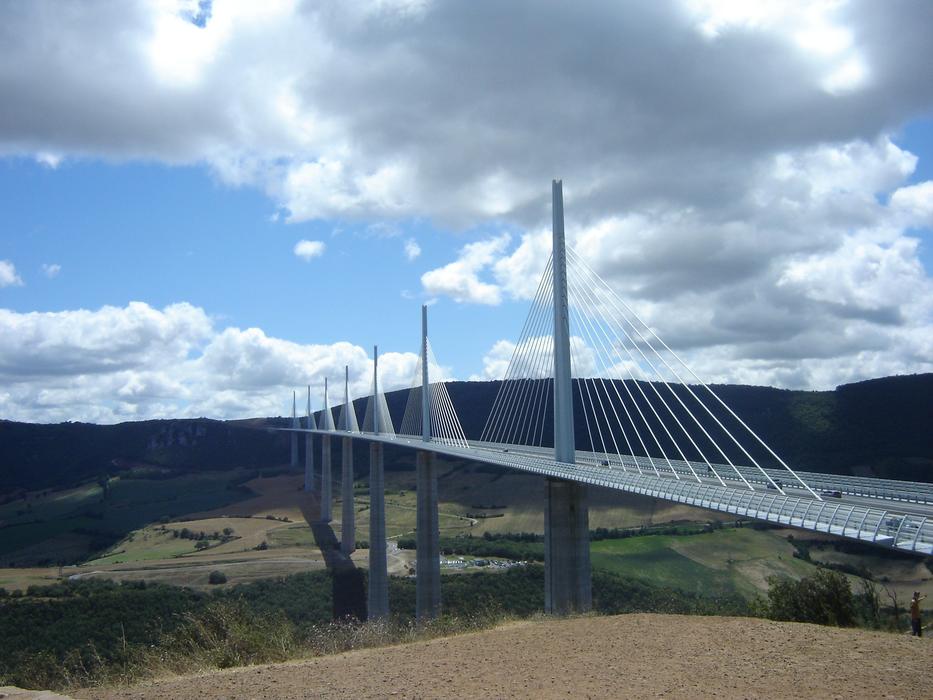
x=217 y=577
x=824 y=598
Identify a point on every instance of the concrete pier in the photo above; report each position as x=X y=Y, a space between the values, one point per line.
x=309 y=462
x=294 y=436
x=428 y=583
x=567 y=582
x=378 y=593
x=348 y=510
x=326 y=480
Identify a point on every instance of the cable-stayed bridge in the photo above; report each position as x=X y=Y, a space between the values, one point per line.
x=592 y=397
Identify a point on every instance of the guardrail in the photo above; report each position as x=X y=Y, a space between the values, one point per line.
x=886 y=528
x=911 y=533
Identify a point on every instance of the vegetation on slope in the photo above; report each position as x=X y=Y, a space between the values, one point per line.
x=81 y=633
x=35 y=457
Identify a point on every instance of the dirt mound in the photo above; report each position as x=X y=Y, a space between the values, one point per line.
x=9 y=692
x=632 y=656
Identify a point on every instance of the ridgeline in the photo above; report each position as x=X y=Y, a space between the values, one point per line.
x=874 y=428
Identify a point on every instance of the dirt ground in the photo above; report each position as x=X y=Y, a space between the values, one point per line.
x=630 y=656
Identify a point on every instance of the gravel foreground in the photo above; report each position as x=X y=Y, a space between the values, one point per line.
x=626 y=656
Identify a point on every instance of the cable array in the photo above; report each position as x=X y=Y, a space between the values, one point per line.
x=632 y=404
x=348 y=420
x=385 y=419
x=326 y=421
x=444 y=424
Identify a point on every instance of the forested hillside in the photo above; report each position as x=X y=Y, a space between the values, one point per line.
x=881 y=427
x=44 y=456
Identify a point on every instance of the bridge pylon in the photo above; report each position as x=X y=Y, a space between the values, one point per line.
x=309 y=447
x=326 y=496
x=378 y=588
x=567 y=577
x=428 y=567
x=294 y=436
x=348 y=510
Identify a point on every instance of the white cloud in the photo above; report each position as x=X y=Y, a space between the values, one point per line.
x=51 y=270
x=8 y=275
x=412 y=249
x=138 y=362
x=460 y=279
x=739 y=189
x=915 y=203
x=49 y=160
x=808 y=280
x=534 y=359
x=496 y=361
x=308 y=250
x=269 y=94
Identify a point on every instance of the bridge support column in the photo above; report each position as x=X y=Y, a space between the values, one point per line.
x=567 y=581
x=326 y=488
x=294 y=454
x=348 y=511
x=309 y=462
x=378 y=593
x=428 y=583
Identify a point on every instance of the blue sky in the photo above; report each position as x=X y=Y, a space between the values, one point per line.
x=756 y=180
x=163 y=234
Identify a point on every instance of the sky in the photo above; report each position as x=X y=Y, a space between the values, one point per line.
x=206 y=205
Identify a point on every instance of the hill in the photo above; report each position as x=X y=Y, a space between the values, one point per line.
x=633 y=656
x=39 y=456
x=877 y=428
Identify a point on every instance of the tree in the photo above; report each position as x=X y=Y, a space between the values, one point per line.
x=217 y=577
x=824 y=598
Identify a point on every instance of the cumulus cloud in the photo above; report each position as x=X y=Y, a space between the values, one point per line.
x=137 y=362
x=412 y=249
x=915 y=204
x=460 y=119
x=8 y=275
x=51 y=270
x=307 y=250
x=533 y=358
x=460 y=279
x=809 y=280
x=729 y=167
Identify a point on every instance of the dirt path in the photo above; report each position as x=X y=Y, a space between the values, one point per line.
x=631 y=656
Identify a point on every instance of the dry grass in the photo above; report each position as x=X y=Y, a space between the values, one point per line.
x=632 y=656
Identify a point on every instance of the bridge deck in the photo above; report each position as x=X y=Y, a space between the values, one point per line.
x=854 y=516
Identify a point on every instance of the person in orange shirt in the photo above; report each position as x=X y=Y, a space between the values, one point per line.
x=916 y=629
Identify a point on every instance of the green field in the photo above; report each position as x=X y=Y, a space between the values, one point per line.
x=297 y=535
x=67 y=526
x=727 y=561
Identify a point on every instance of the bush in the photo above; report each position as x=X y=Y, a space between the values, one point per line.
x=217 y=577
x=824 y=598
x=227 y=634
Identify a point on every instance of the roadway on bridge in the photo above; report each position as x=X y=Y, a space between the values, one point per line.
x=895 y=520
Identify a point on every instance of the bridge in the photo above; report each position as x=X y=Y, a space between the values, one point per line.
x=592 y=397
